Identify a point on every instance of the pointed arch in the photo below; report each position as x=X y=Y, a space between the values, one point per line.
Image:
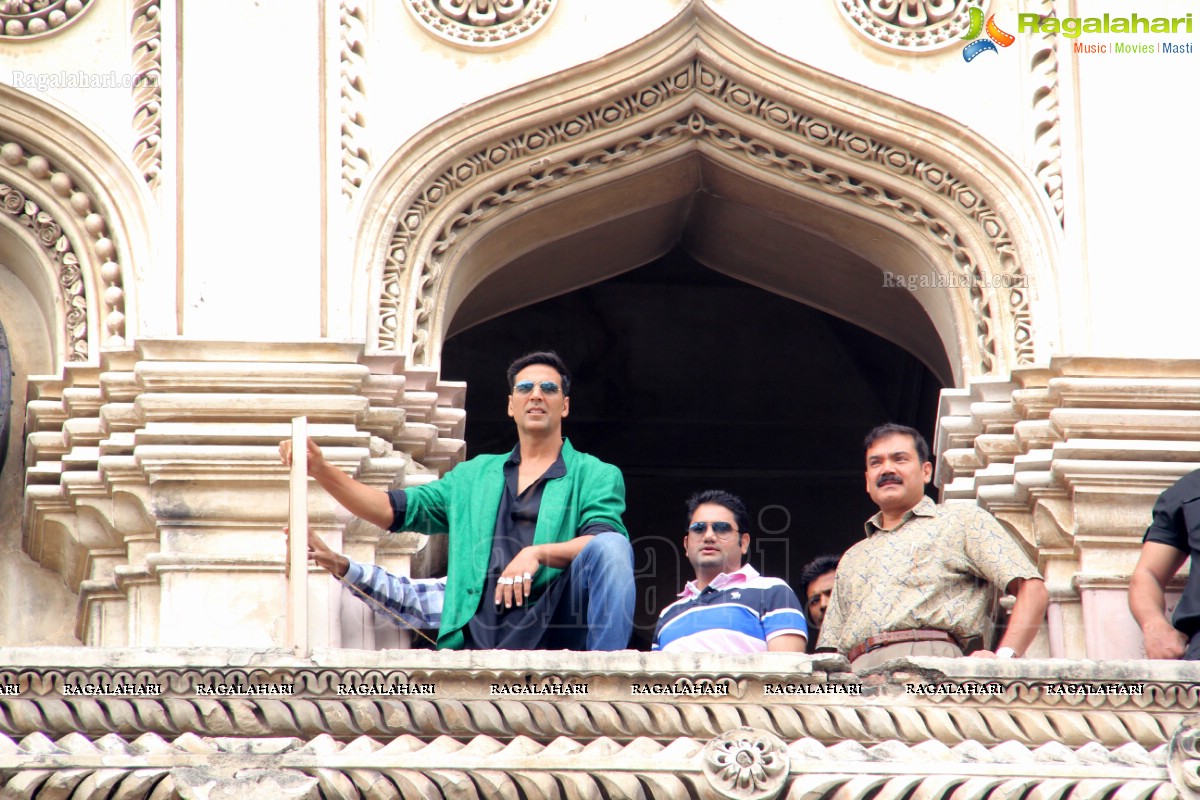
x=73 y=221
x=901 y=187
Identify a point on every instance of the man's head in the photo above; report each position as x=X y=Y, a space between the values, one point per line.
x=539 y=388
x=898 y=467
x=718 y=534
x=816 y=586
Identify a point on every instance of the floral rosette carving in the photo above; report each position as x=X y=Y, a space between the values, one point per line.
x=27 y=20
x=746 y=764
x=481 y=23
x=1183 y=760
x=910 y=25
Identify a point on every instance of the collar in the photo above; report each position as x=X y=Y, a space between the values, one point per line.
x=555 y=470
x=924 y=508
x=725 y=579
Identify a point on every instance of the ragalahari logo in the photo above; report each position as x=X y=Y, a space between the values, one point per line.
x=995 y=36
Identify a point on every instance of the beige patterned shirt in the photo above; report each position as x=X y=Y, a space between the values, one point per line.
x=936 y=569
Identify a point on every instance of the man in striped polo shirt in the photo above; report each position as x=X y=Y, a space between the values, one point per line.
x=729 y=607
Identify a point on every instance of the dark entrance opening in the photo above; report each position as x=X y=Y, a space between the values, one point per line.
x=687 y=380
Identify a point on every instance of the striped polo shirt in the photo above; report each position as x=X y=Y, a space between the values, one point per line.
x=738 y=612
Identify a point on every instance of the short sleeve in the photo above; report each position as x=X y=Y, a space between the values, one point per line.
x=782 y=613
x=993 y=551
x=1167 y=522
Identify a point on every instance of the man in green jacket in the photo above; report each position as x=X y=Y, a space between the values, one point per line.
x=539 y=557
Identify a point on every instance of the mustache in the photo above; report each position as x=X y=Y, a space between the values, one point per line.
x=888 y=478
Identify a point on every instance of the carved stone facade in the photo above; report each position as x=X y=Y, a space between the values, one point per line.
x=146 y=481
x=157 y=477
x=700 y=91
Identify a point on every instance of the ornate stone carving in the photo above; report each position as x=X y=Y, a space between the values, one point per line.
x=1183 y=759
x=481 y=23
x=910 y=25
x=1047 y=123
x=27 y=20
x=463 y=703
x=356 y=160
x=146 y=30
x=154 y=767
x=722 y=108
x=100 y=208
x=50 y=237
x=746 y=764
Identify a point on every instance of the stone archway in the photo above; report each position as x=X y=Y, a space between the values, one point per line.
x=629 y=142
x=73 y=223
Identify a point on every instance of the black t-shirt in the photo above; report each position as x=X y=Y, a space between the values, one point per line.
x=1175 y=521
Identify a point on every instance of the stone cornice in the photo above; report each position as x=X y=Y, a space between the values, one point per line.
x=506 y=695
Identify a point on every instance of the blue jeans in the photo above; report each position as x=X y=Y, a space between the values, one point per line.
x=596 y=610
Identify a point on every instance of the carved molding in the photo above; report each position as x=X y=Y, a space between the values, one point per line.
x=146 y=31
x=460 y=700
x=1047 y=135
x=151 y=766
x=913 y=26
x=62 y=248
x=708 y=103
x=39 y=18
x=58 y=248
x=103 y=208
x=356 y=160
x=481 y=23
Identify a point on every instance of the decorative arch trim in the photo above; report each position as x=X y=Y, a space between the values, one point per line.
x=83 y=210
x=700 y=85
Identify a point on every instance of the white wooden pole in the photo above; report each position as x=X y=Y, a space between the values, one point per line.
x=297 y=606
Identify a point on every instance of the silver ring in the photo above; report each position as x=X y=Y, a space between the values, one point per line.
x=506 y=581
x=528 y=576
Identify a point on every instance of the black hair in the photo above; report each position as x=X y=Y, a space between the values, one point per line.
x=815 y=569
x=547 y=357
x=721 y=497
x=891 y=429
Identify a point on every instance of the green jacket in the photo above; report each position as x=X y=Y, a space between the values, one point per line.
x=465 y=501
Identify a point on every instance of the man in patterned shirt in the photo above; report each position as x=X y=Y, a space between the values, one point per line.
x=729 y=608
x=921 y=582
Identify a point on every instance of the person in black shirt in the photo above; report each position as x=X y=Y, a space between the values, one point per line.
x=1173 y=535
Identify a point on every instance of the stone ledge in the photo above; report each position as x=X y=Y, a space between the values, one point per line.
x=586 y=696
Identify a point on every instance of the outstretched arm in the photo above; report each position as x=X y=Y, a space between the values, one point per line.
x=359 y=499
x=1156 y=566
x=417 y=601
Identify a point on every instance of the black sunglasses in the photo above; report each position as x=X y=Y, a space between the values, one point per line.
x=525 y=387
x=720 y=529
